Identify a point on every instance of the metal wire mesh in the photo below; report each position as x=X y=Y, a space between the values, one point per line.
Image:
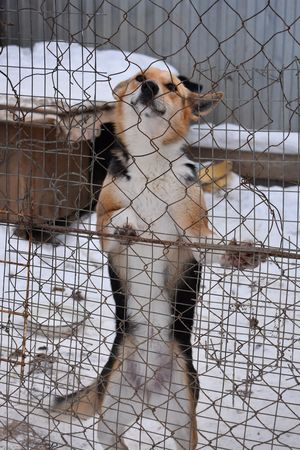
x=59 y=63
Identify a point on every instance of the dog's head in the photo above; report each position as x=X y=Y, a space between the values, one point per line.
x=159 y=104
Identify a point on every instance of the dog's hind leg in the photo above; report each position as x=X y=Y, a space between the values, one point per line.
x=117 y=414
x=115 y=420
x=174 y=403
x=120 y=405
x=184 y=302
x=181 y=418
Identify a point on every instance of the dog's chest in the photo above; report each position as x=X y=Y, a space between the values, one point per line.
x=151 y=189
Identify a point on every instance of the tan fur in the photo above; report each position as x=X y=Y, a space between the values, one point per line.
x=88 y=401
x=190 y=213
x=110 y=200
x=83 y=404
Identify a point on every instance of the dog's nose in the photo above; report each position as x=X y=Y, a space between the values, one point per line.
x=149 y=89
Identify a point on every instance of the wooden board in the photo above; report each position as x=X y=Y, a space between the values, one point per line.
x=257 y=167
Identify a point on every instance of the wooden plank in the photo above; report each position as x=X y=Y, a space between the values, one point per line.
x=283 y=168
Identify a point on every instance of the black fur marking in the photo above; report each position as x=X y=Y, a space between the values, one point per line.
x=192 y=176
x=105 y=146
x=122 y=328
x=118 y=165
x=183 y=308
x=109 y=154
x=102 y=156
x=190 y=85
x=121 y=302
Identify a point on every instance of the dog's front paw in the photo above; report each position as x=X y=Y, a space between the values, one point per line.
x=125 y=233
x=242 y=259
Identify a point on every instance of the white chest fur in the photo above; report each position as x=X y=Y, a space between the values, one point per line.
x=152 y=185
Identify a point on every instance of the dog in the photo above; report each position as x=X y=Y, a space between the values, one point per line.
x=152 y=218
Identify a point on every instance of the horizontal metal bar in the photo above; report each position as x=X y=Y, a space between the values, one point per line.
x=5 y=261
x=266 y=251
x=13 y=313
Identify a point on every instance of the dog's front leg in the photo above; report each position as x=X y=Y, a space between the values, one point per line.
x=116 y=219
x=190 y=217
x=117 y=228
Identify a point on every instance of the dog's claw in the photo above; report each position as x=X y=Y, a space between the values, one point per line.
x=242 y=259
x=125 y=233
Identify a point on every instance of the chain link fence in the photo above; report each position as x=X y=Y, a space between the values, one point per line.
x=59 y=63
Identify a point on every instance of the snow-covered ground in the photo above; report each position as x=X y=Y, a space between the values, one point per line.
x=246 y=339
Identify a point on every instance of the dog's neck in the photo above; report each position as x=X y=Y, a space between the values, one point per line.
x=145 y=150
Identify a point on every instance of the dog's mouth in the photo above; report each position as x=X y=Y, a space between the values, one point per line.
x=151 y=107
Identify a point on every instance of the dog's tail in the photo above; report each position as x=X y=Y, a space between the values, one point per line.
x=83 y=403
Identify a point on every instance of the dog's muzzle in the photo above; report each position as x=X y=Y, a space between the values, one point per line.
x=147 y=97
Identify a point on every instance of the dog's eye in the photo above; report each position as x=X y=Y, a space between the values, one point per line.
x=140 y=78
x=171 y=87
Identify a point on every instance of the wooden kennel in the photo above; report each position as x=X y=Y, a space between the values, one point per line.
x=46 y=159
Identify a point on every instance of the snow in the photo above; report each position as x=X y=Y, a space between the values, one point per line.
x=230 y=136
x=246 y=340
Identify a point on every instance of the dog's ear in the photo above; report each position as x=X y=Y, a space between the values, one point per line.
x=190 y=85
x=119 y=90
x=203 y=104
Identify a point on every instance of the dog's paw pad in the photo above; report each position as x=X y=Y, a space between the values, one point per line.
x=125 y=233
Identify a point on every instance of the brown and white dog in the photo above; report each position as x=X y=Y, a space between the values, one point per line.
x=151 y=192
